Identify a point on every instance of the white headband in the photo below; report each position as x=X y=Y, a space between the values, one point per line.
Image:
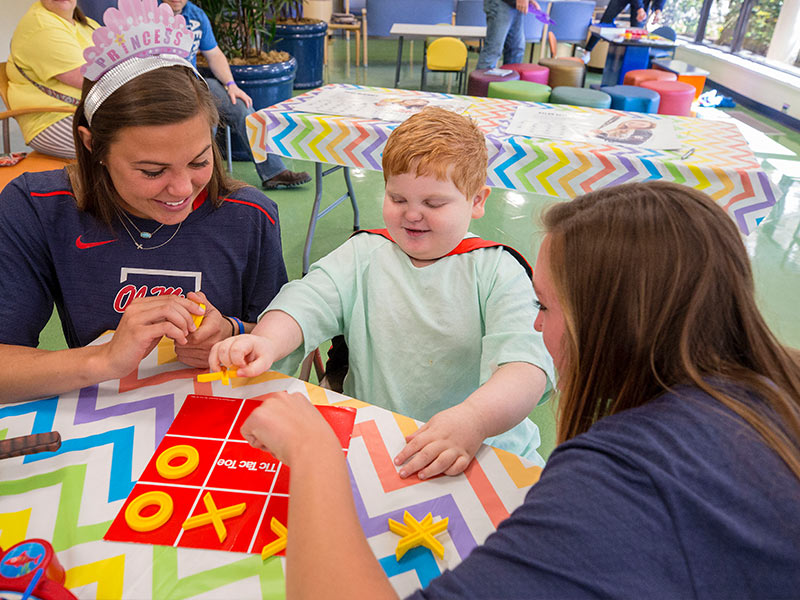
x=124 y=72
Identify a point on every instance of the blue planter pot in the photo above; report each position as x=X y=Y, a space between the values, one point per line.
x=306 y=43
x=266 y=85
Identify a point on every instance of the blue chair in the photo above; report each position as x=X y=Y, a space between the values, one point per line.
x=534 y=29
x=385 y=13
x=470 y=13
x=572 y=20
x=665 y=32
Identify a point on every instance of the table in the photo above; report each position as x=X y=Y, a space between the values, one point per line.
x=410 y=30
x=720 y=164
x=111 y=430
x=627 y=54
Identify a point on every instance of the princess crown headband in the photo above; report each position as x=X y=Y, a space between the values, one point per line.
x=139 y=36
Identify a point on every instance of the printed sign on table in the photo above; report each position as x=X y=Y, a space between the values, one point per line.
x=637 y=130
x=372 y=105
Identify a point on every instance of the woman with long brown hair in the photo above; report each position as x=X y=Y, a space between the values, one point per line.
x=678 y=469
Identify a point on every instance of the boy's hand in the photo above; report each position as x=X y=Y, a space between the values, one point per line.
x=445 y=444
x=214 y=328
x=249 y=354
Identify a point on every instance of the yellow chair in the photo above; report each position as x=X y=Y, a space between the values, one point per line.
x=35 y=161
x=448 y=55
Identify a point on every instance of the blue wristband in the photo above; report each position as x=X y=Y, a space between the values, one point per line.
x=230 y=83
x=238 y=323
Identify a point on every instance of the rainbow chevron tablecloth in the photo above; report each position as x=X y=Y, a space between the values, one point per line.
x=721 y=163
x=111 y=430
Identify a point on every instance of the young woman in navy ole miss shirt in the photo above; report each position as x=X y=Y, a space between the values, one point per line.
x=144 y=228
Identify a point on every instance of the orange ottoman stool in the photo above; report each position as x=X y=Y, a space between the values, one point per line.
x=637 y=76
x=676 y=96
x=687 y=73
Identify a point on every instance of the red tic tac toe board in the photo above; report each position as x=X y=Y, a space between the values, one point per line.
x=219 y=464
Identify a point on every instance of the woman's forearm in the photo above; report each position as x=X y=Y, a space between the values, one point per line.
x=29 y=373
x=323 y=527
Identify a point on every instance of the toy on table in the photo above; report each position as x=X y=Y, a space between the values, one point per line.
x=224 y=375
x=30 y=444
x=197 y=319
x=215 y=516
x=278 y=545
x=30 y=570
x=207 y=487
x=418 y=533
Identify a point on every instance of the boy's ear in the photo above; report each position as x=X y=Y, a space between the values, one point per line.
x=479 y=202
x=86 y=137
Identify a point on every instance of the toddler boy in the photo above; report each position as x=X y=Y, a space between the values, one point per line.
x=439 y=323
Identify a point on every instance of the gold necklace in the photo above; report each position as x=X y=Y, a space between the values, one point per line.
x=139 y=246
x=142 y=234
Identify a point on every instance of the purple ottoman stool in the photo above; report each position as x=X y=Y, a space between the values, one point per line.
x=479 y=81
x=530 y=72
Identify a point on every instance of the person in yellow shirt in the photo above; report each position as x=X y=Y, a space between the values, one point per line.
x=44 y=70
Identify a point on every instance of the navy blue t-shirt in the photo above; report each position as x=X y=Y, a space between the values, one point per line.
x=675 y=499
x=51 y=252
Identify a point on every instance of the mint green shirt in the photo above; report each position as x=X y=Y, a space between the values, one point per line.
x=421 y=339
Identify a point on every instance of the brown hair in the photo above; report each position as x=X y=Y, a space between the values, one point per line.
x=657 y=291
x=439 y=143
x=77 y=15
x=160 y=97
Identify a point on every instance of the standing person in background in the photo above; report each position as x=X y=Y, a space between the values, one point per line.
x=639 y=11
x=505 y=31
x=234 y=104
x=44 y=70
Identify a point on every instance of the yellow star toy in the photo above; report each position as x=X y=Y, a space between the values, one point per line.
x=276 y=546
x=224 y=375
x=418 y=533
x=214 y=516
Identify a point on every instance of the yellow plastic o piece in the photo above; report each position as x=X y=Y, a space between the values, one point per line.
x=139 y=523
x=197 y=319
x=168 y=471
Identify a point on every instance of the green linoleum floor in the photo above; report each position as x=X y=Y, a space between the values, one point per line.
x=512 y=217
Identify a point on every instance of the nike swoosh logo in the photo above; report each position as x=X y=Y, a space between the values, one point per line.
x=84 y=245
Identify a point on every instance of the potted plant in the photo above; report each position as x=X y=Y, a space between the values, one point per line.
x=301 y=37
x=241 y=28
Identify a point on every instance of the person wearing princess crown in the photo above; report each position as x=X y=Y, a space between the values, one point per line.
x=439 y=323
x=128 y=237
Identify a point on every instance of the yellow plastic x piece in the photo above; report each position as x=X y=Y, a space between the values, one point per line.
x=224 y=375
x=197 y=319
x=215 y=516
x=418 y=533
x=276 y=546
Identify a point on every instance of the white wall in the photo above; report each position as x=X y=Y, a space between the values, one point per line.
x=767 y=86
x=12 y=12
